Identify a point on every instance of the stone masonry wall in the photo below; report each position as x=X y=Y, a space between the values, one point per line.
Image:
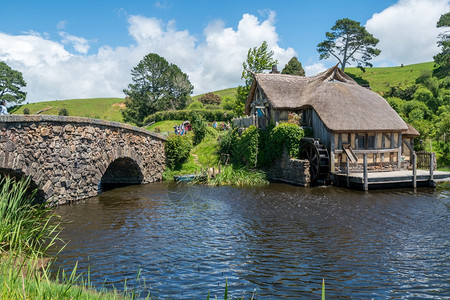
x=286 y=169
x=66 y=157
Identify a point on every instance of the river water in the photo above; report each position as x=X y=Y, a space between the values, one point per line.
x=277 y=241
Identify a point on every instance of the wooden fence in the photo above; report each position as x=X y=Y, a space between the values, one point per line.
x=424 y=159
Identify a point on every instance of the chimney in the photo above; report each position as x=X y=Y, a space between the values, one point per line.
x=274 y=70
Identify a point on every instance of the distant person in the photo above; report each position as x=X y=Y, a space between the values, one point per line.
x=3 y=109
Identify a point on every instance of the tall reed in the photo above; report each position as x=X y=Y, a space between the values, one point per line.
x=23 y=224
x=236 y=176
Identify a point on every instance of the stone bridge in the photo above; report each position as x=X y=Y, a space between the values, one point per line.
x=72 y=158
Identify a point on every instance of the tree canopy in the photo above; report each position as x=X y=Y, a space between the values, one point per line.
x=11 y=81
x=293 y=67
x=442 y=60
x=258 y=60
x=349 y=41
x=157 y=85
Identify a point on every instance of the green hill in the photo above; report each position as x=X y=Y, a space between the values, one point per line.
x=226 y=93
x=97 y=108
x=380 y=79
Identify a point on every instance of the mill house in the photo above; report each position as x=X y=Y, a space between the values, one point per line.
x=355 y=125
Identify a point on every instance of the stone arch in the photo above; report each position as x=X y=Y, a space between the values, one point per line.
x=121 y=172
x=17 y=175
x=68 y=158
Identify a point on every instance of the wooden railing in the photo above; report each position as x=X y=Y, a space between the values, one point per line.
x=425 y=159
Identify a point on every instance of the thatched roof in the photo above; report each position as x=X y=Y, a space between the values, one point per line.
x=341 y=103
x=411 y=131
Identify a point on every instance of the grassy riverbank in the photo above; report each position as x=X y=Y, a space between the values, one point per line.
x=205 y=160
x=27 y=231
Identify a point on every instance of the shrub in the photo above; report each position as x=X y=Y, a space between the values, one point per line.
x=199 y=128
x=195 y=105
x=285 y=135
x=228 y=103
x=246 y=147
x=406 y=93
x=63 y=112
x=260 y=147
x=226 y=141
x=177 y=150
x=210 y=98
x=26 y=111
x=157 y=129
x=211 y=132
x=426 y=96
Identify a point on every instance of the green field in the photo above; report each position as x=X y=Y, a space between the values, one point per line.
x=164 y=127
x=97 y=108
x=380 y=79
x=227 y=93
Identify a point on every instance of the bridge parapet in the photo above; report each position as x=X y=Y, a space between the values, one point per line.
x=71 y=158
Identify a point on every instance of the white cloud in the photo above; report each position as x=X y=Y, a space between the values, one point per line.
x=81 y=45
x=314 y=69
x=31 y=51
x=407 y=31
x=215 y=62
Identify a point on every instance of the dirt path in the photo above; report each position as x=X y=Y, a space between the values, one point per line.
x=195 y=158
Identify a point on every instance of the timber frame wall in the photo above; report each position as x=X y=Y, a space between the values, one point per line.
x=381 y=148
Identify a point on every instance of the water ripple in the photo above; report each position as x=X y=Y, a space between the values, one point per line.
x=279 y=241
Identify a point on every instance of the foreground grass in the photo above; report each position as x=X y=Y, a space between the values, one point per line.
x=381 y=79
x=34 y=283
x=98 y=108
x=27 y=231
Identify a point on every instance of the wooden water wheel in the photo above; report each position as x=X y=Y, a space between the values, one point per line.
x=318 y=157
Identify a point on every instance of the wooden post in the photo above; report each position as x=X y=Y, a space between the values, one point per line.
x=399 y=154
x=219 y=168
x=432 y=154
x=366 y=175
x=348 y=172
x=332 y=157
x=414 y=163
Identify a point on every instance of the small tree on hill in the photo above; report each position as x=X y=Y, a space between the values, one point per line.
x=348 y=40
x=293 y=67
x=11 y=81
x=210 y=98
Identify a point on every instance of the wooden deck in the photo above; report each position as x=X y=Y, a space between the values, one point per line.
x=394 y=179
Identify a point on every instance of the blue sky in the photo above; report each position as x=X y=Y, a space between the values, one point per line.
x=82 y=49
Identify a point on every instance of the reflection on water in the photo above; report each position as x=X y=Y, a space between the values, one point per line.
x=279 y=241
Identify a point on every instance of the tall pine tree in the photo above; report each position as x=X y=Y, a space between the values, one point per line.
x=293 y=67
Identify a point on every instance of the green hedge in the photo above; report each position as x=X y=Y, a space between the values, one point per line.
x=260 y=147
x=245 y=149
x=208 y=115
